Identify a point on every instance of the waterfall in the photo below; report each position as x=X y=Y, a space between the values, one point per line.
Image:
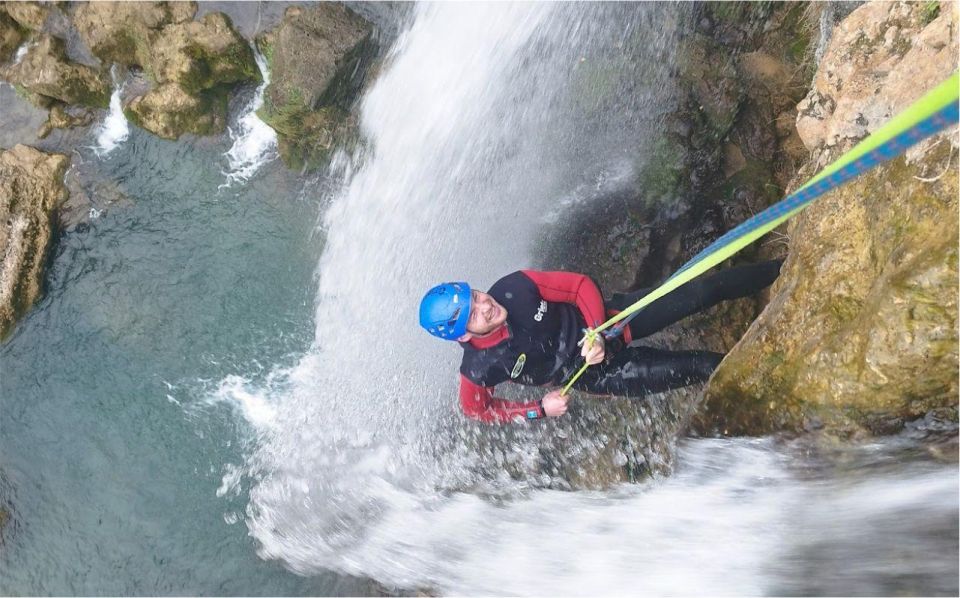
x=22 y=52
x=114 y=129
x=254 y=142
x=486 y=118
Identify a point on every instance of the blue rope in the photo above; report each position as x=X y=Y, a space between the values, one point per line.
x=943 y=118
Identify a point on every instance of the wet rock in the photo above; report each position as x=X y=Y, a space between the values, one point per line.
x=169 y=111
x=201 y=55
x=193 y=64
x=46 y=71
x=710 y=74
x=11 y=36
x=62 y=116
x=31 y=190
x=726 y=152
x=121 y=32
x=29 y=15
x=860 y=334
x=317 y=59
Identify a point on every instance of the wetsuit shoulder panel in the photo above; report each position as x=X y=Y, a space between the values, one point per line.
x=570 y=287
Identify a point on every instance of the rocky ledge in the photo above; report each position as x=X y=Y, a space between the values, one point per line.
x=317 y=58
x=860 y=335
x=192 y=65
x=31 y=190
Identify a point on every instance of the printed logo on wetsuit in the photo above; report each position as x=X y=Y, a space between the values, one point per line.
x=540 y=311
x=518 y=367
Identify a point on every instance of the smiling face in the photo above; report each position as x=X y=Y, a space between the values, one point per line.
x=486 y=315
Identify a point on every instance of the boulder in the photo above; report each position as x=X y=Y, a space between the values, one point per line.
x=881 y=58
x=120 y=31
x=169 y=111
x=200 y=55
x=62 y=116
x=46 y=71
x=31 y=190
x=192 y=64
x=317 y=57
x=11 y=36
x=860 y=334
x=29 y=15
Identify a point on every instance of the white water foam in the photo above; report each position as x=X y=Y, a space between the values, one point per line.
x=254 y=142
x=365 y=466
x=22 y=52
x=114 y=129
x=361 y=464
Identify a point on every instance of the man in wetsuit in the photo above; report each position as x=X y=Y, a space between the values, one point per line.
x=527 y=329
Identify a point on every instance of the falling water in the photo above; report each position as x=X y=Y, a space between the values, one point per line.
x=485 y=118
x=254 y=142
x=114 y=129
x=22 y=52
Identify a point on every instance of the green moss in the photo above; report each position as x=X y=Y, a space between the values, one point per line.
x=757 y=176
x=266 y=49
x=665 y=175
x=930 y=11
x=23 y=92
x=311 y=136
x=208 y=70
x=844 y=309
x=133 y=117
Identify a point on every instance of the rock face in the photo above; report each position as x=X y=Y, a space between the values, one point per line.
x=192 y=63
x=726 y=152
x=316 y=59
x=200 y=55
x=11 y=36
x=47 y=72
x=29 y=15
x=169 y=111
x=121 y=32
x=31 y=189
x=861 y=332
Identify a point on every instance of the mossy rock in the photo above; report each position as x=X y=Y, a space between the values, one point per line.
x=861 y=332
x=11 y=36
x=45 y=70
x=665 y=177
x=29 y=15
x=314 y=136
x=122 y=32
x=708 y=72
x=201 y=55
x=317 y=59
x=169 y=111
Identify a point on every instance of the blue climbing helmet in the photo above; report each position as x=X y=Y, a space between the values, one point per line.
x=445 y=309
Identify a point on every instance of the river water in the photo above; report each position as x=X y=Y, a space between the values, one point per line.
x=224 y=391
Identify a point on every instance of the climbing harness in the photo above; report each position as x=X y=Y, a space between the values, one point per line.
x=931 y=114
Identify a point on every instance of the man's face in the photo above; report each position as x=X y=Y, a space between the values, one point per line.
x=486 y=315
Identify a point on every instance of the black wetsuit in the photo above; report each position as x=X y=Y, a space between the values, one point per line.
x=637 y=370
x=546 y=313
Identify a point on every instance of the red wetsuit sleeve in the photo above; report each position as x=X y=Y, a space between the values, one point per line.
x=479 y=403
x=569 y=287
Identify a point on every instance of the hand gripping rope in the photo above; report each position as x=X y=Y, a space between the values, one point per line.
x=930 y=114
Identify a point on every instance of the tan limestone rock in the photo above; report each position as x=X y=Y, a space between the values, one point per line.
x=46 y=71
x=31 y=189
x=860 y=334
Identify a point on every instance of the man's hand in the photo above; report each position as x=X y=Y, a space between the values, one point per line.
x=593 y=352
x=555 y=403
